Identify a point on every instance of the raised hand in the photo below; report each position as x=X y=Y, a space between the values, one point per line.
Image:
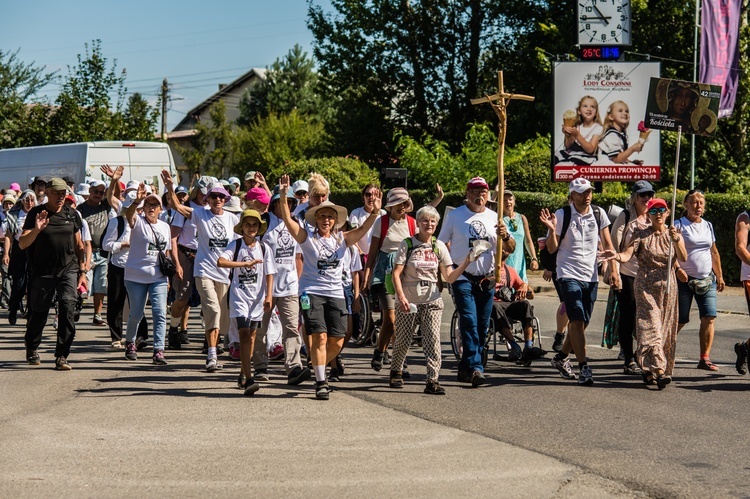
x=41 y=220
x=118 y=173
x=284 y=185
x=107 y=170
x=377 y=200
x=439 y=190
x=140 y=194
x=548 y=219
x=166 y=177
x=260 y=178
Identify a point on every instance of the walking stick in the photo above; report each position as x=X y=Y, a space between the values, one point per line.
x=674 y=202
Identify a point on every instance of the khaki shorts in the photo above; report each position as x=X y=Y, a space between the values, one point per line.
x=213 y=303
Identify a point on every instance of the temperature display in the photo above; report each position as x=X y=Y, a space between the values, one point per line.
x=601 y=53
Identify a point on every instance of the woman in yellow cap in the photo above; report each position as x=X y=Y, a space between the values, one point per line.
x=251 y=274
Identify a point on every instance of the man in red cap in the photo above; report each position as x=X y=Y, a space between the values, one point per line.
x=464 y=231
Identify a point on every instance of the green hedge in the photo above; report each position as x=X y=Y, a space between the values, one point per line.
x=721 y=211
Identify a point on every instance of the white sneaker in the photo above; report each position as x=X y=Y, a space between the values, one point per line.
x=212 y=365
x=585 y=377
x=117 y=344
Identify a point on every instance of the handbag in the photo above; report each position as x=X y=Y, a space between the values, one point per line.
x=166 y=265
x=701 y=286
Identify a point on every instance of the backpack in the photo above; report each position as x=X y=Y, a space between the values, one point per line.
x=120 y=230
x=549 y=260
x=385 y=222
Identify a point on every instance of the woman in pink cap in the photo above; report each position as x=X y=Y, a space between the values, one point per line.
x=656 y=311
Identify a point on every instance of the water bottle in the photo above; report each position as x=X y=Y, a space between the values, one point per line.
x=304 y=301
x=412 y=308
x=83 y=292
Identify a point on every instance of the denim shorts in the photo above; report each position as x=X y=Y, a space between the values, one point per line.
x=706 y=303
x=579 y=298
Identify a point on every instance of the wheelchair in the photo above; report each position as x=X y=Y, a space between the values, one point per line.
x=494 y=338
x=368 y=321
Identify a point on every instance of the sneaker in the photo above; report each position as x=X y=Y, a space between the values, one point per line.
x=377 y=360
x=558 y=342
x=397 y=380
x=173 y=338
x=32 y=357
x=463 y=377
x=563 y=366
x=117 y=345
x=61 y=364
x=130 y=352
x=241 y=380
x=477 y=379
x=159 y=358
x=322 y=391
x=140 y=344
x=340 y=365
x=707 y=365
x=333 y=375
x=298 y=374
x=184 y=338
x=585 y=377
x=386 y=358
x=98 y=321
x=276 y=353
x=434 y=388
x=741 y=350
x=212 y=365
x=632 y=369
x=261 y=375
x=515 y=352
x=250 y=388
x=234 y=351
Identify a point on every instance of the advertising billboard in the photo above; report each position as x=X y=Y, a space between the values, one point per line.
x=676 y=103
x=599 y=131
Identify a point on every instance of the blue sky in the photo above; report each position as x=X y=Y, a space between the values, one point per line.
x=195 y=45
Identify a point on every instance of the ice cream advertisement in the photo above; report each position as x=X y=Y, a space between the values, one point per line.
x=599 y=132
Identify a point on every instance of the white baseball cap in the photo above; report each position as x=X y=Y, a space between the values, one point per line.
x=580 y=185
x=300 y=185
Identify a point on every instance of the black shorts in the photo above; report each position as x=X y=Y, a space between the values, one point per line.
x=325 y=315
x=245 y=323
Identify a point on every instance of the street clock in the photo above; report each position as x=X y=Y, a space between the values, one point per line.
x=604 y=22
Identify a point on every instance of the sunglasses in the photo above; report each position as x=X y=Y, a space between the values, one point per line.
x=369 y=194
x=694 y=191
x=217 y=196
x=645 y=194
x=657 y=211
x=97 y=191
x=513 y=224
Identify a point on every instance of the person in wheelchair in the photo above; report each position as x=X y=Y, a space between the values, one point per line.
x=511 y=304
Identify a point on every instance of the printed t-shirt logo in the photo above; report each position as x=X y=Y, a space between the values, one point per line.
x=477 y=230
x=285 y=245
x=327 y=257
x=218 y=237
x=247 y=276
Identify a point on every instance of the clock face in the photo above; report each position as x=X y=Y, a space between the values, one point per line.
x=604 y=22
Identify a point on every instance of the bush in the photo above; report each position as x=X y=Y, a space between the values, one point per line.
x=342 y=173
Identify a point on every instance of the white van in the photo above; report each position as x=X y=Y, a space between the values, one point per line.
x=143 y=161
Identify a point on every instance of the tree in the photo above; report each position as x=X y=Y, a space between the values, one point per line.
x=211 y=149
x=86 y=109
x=276 y=140
x=20 y=84
x=290 y=85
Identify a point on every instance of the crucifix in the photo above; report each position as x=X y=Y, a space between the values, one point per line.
x=499 y=103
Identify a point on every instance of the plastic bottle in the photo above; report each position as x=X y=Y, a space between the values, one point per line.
x=83 y=292
x=304 y=301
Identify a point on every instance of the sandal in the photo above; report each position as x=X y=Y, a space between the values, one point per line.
x=648 y=378
x=663 y=380
x=707 y=365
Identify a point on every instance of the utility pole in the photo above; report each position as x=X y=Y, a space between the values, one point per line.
x=164 y=97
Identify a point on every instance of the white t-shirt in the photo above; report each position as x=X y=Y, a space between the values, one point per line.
x=576 y=254
x=398 y=230
x=117 y=254
x=85 y=231
x=699 y=238
x=21 y=220
x=248 y=288
x=283 y=249
x=143 y=264
x=188 y=235
x=357 y=218
x=352 y=263
x=461 y=227
x=323 y=265
x=215 y=232
x=422 y=267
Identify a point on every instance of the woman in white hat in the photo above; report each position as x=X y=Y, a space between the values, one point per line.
x=321 y=293
x=387 y=234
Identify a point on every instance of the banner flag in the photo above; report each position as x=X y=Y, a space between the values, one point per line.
x=719 y=60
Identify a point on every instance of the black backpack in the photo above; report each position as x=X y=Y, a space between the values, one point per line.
x=120 y=230
x=549 y=260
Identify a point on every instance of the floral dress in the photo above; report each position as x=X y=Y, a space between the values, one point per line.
x=656 y=312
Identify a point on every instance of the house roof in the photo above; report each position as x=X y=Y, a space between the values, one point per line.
x=189 y=119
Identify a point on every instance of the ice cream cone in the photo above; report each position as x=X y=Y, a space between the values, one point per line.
x=643 y=136
x=569 y=118
x=569 y=121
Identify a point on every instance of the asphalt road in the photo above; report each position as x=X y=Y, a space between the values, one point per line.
x=119 y=428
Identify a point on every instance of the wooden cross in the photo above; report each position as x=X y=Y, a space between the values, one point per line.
x=499 y=103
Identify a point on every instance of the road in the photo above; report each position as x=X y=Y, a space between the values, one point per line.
x=121 y=428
